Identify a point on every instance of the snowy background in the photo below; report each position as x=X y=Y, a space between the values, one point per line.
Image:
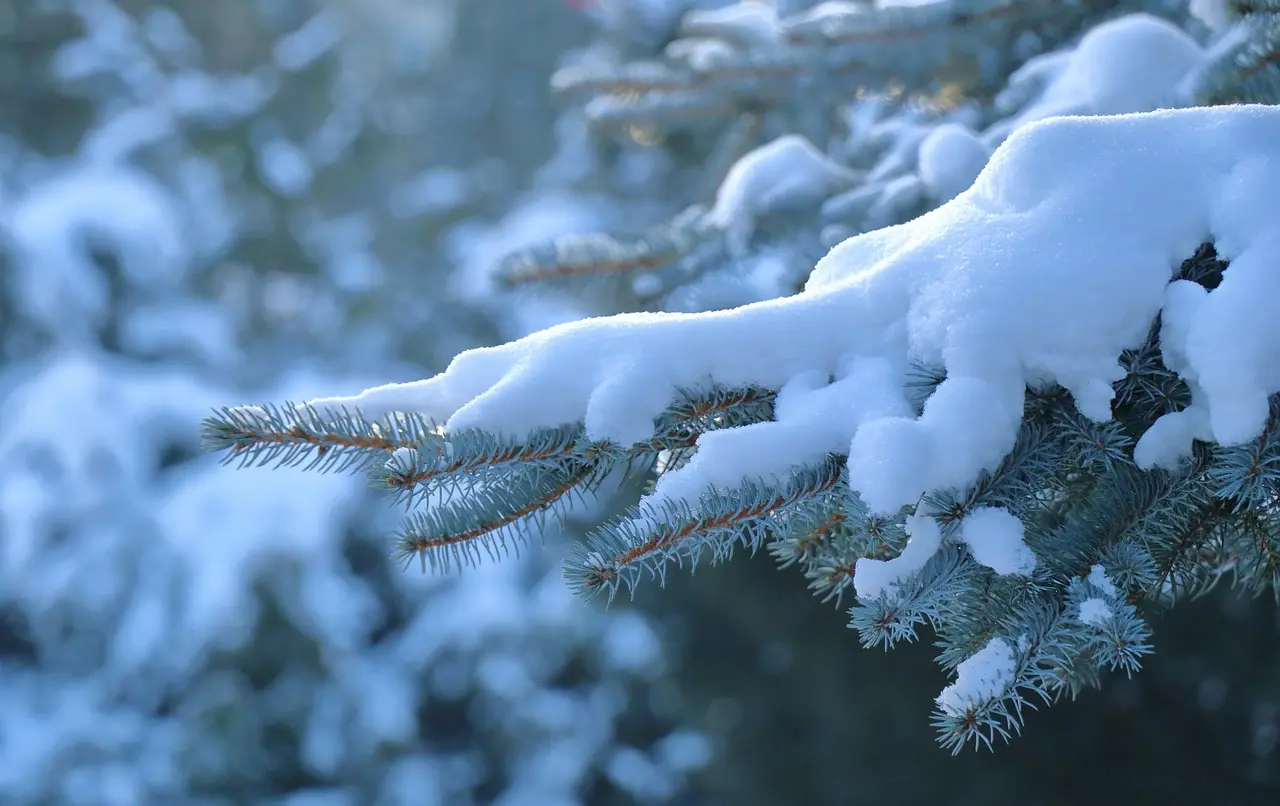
x=207 y=203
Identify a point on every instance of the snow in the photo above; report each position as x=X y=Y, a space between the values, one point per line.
x=995 y=537
x=1132 y=64
x=786 y=173
x=1047 y=268
x=112 y=206
x=749 y=25
x=874 y=578
x=1217 y=14
x=1098 y=579
x=951 y=157
x=1095 y=611
x=980 y=678
x=1168 y=441
x=403 y=460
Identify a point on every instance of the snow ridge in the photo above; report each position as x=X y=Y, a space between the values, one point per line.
x=1056 y=260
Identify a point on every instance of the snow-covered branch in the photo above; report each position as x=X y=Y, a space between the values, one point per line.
x=1068 y=367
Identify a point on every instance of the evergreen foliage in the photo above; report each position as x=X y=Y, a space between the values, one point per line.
x=1112 y=540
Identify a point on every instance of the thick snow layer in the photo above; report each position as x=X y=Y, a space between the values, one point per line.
x=1168 y=441
x=951 y=157
x=980 y=678
x=1055 y=261
x=1132 y=64
x=995 y=537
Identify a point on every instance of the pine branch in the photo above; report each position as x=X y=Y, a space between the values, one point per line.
x=925 y=598
x=723 y=407
x=453 y=536
x=1250 y=71
x=1108 y=537
x=678 y=530
x=289 y=434
x=1180 y=551
x=1028 y=468
x=1249 y=474
x=472 y=451
x=577 y=257
x=828 y=536
x=1252 y=548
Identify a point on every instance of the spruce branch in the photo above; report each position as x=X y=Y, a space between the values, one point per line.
x=472 y=451
x=724 y=407
x=1181 y=535
x=1160 y=535
x=1249 y=474
x=579 y=257
x=1249 y=71
x=737 y=82
x=677 y=531
x=1251 y=543
x=1028 y=468
x=827 y=537
x=452 y=536
x=288 y=435
x=926 y=598
x=1107 y=538
x=1050 y=652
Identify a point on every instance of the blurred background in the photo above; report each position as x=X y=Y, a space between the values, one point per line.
x=210 y=202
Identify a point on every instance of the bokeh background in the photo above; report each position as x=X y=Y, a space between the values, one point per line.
x=207 y=203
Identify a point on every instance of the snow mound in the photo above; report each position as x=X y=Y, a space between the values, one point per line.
x=1095 y=611
x=1132 y=64
x=783 y=174
x=1055 y=261
x=979 y=679
x=951 y=157
x=995 y=537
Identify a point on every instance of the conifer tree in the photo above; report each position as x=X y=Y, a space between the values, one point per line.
x=1027 y=397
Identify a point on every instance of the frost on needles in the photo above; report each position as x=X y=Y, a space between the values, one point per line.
x=1019 y=419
